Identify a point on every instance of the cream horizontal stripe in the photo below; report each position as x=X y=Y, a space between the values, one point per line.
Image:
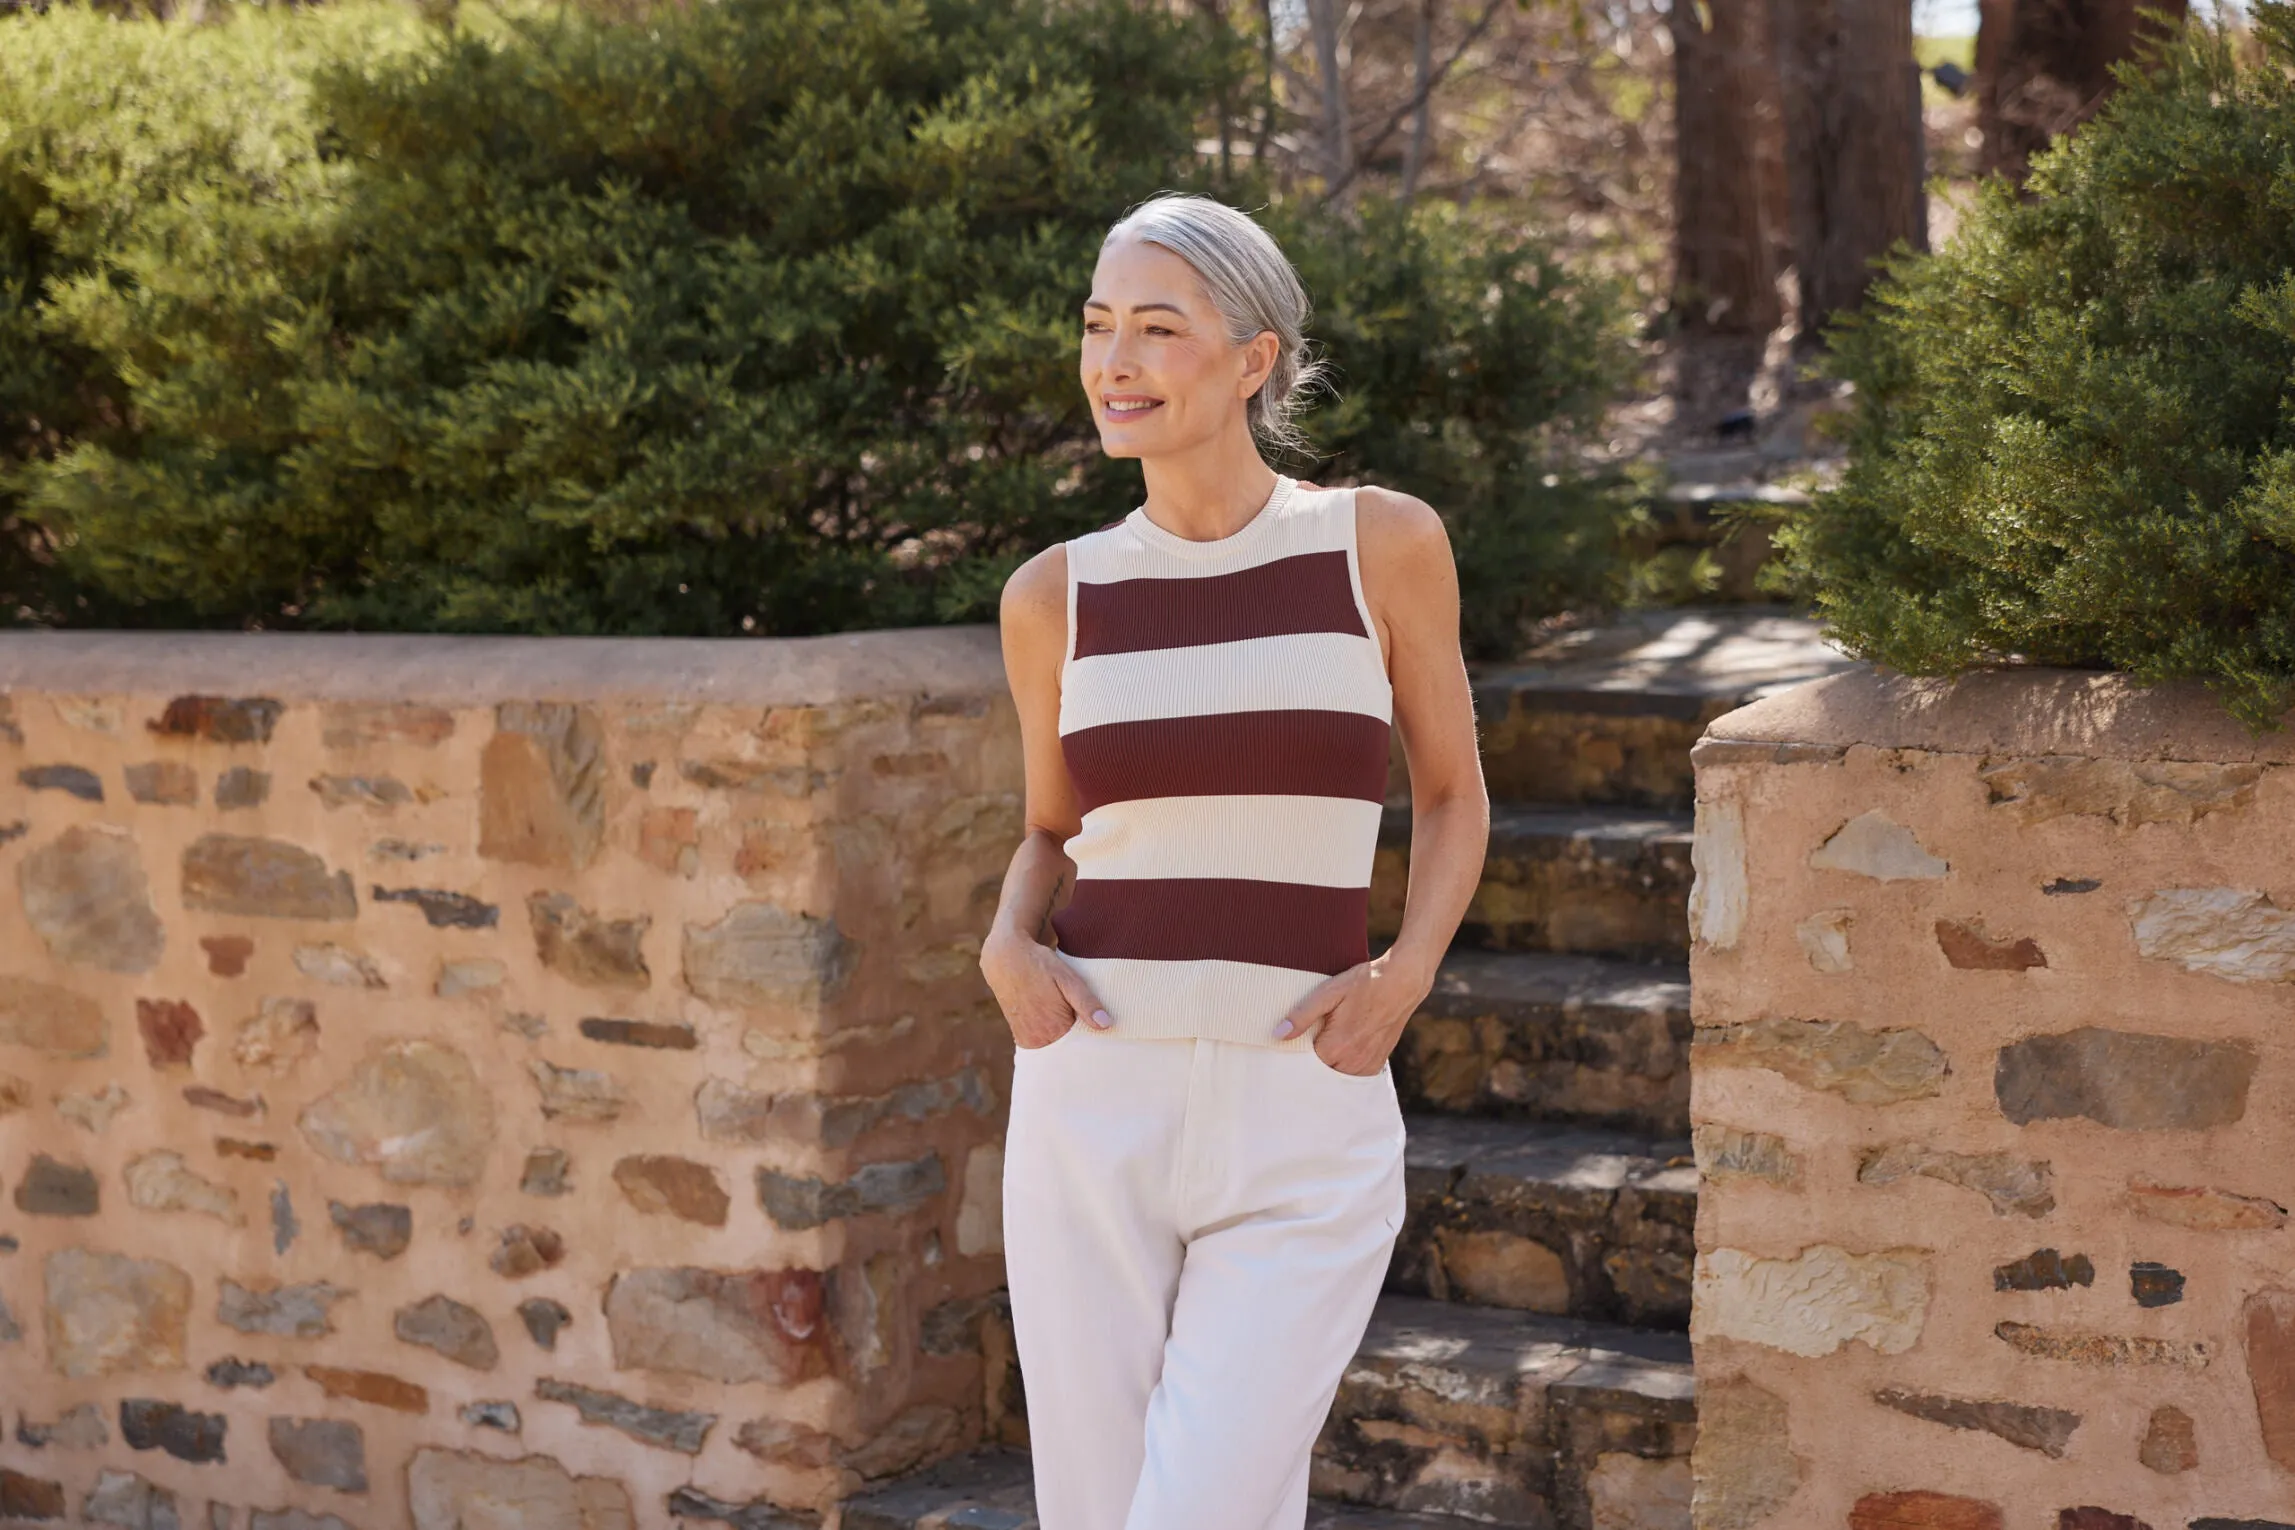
x=1222 y=1001
x=1319 y=841
x=1116 y=553
x=1323 y=671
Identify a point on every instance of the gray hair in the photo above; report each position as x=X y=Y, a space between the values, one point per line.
x=1250 y=281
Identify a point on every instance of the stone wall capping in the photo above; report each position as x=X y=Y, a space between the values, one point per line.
x=445 y=669
x=2011 y=711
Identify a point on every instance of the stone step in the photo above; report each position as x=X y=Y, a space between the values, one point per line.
x=1449 y=1414
x=1535 y=1036
x=1513 y=1419
x=1607 y=715
x=1591 y=881
x=1562 y=1220
x=991 y=1491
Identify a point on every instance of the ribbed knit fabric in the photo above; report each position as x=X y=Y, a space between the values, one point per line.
x=1224 y=712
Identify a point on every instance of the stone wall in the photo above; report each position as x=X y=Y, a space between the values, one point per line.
x=1994 y=1101
x=523 y=1083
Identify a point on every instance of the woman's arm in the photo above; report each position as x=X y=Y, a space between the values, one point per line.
x=1411 y=585
x=1041 y=995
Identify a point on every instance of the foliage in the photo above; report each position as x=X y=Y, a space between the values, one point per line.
x=755 y=315
x=2075 y=435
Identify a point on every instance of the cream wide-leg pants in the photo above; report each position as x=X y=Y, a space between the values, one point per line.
x=1194 y=1234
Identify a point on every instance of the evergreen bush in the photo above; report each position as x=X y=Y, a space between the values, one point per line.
x=748 y=316
x=2074 y=438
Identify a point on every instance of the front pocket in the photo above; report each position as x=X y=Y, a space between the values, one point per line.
x=1352 y=1078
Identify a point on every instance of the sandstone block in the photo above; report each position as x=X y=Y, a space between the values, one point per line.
x=163 y=783
x=544 y=1320
x=227 y=954
x=2269 y=1321
x=1965 y=945
x=30 y=1499
x=577 y=1094
x=524 y=1251
x=1725 y=1153
x=2046 y=1430
x=148 y=1424
x=658 y=1035
x=127 y=1501
x=263 y=878
x=2014 y=1186
x=370 y=1387
x=545 y=1173
x=80 y=1428
x=542 y=786
x=663 y=1428
x=107 y=1314
x=161 y=1181
x=461 y=1490
x=1503 y=1269
x=2086 y=1348
x=586 y=948
x=304 y=1311
x=665 y=1185
x=2124 y=1080
x=1743 y=1460
x=376 y=794
x=761 y=955
x=1718 y=896
x=51 y=1019
x=725 y=1326
x=72 y=780
x=201 y=1097
x=1863 y=1067
x=242 y=786
x=218 y=719
x=980 y=1213
x=1815 y=1302
x=92 y=1113
x=413 y=1109
x=339 y=965
x=476 y=975
x=2205 y=1209
x=797 y=1202
x=492 y=1415
x=283 y=1034
x=170 y=1028
x=2224 y=932
x=353 y=724
x=53 y=1189
x=2130 y=793
x=85 y=893
x=1923 y=1511
x=1872 y=844
x=229 y=1374
x=1824 y=939
x=378 y=1228
x=2169 y=1446
x=458 y=1332
x=2044 y=1270
x=442 y=909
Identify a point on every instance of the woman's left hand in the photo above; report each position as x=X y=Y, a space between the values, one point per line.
x=1358 y=1015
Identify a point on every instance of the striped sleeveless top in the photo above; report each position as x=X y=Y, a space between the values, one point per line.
x=1224 y=714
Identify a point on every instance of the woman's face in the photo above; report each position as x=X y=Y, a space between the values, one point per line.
x=1155 y=359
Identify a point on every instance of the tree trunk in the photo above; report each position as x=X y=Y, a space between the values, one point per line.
x=1845 y=73
x=1324 y=20
x=1724 y=279
x=2044 y=66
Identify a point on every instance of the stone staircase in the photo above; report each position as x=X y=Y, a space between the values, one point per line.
x=1530 y=1365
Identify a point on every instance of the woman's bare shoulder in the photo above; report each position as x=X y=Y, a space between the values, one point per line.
x=1036 y=595
x=1397 y=529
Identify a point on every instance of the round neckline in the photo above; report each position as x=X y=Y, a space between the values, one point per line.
x=1187 y=547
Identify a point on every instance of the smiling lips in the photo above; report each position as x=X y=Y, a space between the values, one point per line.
x=1131 y=407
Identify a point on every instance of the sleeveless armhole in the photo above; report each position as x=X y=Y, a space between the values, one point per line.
x=1362 y=601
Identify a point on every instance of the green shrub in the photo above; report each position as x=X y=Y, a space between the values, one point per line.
x=756 y=316
x=2074 y=441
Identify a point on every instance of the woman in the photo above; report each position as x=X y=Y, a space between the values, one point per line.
x=1204 y=1173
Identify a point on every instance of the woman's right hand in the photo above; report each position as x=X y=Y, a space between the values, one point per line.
x=1041 y=995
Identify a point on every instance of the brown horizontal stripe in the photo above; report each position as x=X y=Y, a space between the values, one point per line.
x=1308 y=592
x=1290 y=753
x=1233 y=919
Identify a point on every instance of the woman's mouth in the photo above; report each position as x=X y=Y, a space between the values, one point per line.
x=1131 y=408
